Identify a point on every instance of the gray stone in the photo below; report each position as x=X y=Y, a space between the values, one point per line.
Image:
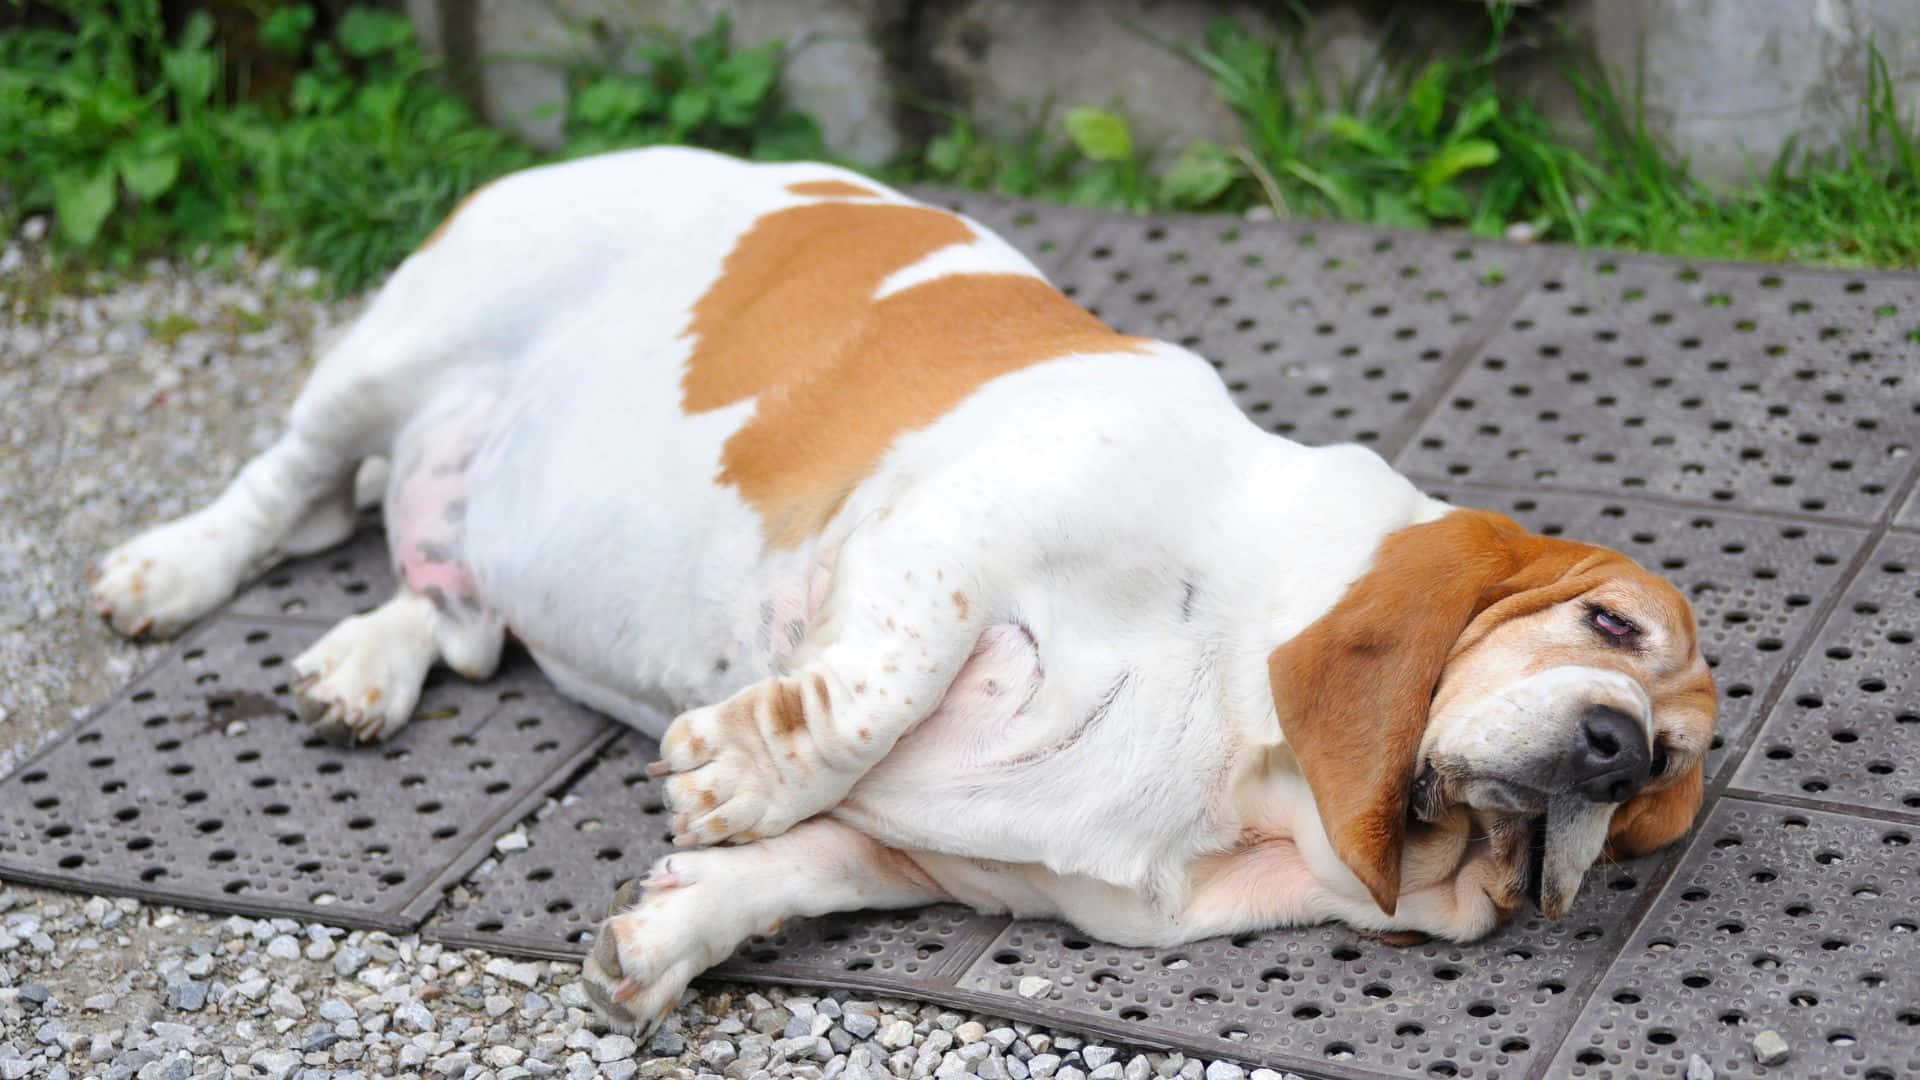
x=1096 y=1056
x=859 y=1024
x=1698 y=1069
x=187 y=996
x=349 y=960
x=1225 y=1070
x=614 y=1048
x=1769 y=1048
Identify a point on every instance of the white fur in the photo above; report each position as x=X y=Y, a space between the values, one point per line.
x=1083 y=739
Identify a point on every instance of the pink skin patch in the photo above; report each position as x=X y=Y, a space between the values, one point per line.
x=427 y=513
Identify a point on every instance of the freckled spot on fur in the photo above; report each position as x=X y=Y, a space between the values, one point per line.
x=909 y=576
x=373 y=695
x=906 y=701
x=696 y=746
x=793 y=756
x=889 y=669
x=910 y=632
x=787 y=709
x=860 y=688
x=717 y=826
x=960 y=602
x=708 y=800
x=889 y=622
x=864 y=734
x=819 y=683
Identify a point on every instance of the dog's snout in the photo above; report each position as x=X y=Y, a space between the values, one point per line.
x=1609 y=762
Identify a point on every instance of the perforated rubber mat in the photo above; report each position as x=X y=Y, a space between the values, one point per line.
x=1747 y=431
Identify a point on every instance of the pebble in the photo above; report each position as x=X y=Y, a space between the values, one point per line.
x=284 y=1002
x=1698 y=1069
x=349 y=960
x=614 y=1048
x=1225 y=1070
x=284 y=947
x=1033 y=986
x=1769 y=1048
x=1096 y=1056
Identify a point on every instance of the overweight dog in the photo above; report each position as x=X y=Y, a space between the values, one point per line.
x=955 y=593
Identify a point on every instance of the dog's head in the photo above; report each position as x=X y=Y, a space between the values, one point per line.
x=1548 y=692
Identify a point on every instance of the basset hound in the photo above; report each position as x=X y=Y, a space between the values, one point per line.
x=953 y=592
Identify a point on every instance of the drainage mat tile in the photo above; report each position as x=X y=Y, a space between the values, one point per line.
x=1765 y=388
x=1795 y=921
x=198 y=785
x=1324 y=334
x=1755 y=583
x=349 y=580
x=1910 y=516
x=1847 y=730
x=1324 y=999
x=1047 y=235
x=545 y=899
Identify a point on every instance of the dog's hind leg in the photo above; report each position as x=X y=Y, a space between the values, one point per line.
x=695 y=907
x=297 y=497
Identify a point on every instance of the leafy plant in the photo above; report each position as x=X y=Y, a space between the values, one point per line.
x=699 y=91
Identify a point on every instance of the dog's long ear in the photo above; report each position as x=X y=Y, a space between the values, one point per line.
x=1353 y=689
x=1655 y=819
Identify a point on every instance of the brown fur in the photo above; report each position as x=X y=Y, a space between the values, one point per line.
x=832 y=189
x=1655 y=818
x=838 y=375
x=1353 y=691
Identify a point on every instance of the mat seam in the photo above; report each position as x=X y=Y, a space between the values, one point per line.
x=1473 y=341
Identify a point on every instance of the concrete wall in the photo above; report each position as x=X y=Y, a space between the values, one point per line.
x=1725 y=80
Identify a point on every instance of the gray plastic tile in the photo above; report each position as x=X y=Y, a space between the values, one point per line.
x=1047 y=235
x=608 y=827
x=1324 y=999
x=1793 y=920
x=1763 y=388
x=1324 y=333
x=1755 y=583
x=197 y=785
x=349 y=580
x=1910 y=515
x=1847 y=730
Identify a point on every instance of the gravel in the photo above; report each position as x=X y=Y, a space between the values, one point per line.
x=131 y=405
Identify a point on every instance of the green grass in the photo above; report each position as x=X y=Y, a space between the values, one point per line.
x=1444 y=143
x=335 y=142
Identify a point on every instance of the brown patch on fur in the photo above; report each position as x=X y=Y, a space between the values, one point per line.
x=697 y=746
x=445 y=222
x=837 y=375
x=787 y=709
x=1353 y=690
x=960 y=603
x=708 y=800
x=819 y=684
x=832 y=189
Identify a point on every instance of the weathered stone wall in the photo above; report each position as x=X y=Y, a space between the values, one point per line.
x=1725 y=81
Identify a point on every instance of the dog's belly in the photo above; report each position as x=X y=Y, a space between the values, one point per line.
x=594 y=529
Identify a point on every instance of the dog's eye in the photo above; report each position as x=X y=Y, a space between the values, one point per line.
x=1614 y=626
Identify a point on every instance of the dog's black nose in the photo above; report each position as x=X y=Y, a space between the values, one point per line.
x=1609 y=763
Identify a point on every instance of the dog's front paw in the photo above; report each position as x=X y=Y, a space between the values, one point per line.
x=659 y=933
x=747 y=768
x=161 y=580
x=361 y=681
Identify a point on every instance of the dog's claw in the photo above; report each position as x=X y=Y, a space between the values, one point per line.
x=624 y=897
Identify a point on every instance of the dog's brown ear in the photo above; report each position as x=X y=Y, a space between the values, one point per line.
x=1353 y=689
x=1654 y=819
